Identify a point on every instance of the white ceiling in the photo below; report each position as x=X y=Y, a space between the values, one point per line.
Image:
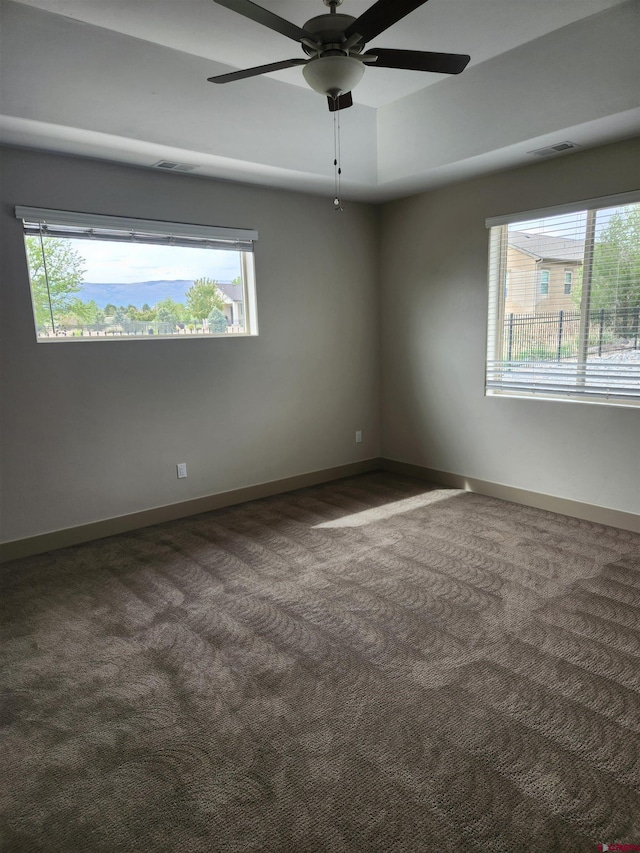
x=480 y=28
x=126 y=80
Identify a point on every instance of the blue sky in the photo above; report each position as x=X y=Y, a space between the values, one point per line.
x=130 y=262
x=568 y=224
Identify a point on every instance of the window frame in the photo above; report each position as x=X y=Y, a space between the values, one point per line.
x=104 y=228
x=545 y=279
x=568 y=282
x=497 y=265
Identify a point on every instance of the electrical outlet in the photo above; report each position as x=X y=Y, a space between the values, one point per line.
x=182 y=470
x=358 y=436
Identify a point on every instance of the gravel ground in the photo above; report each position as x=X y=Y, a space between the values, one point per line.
x=612 y=370
x=629 y=356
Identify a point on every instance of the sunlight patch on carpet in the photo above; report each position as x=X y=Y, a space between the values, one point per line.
x=380 y=513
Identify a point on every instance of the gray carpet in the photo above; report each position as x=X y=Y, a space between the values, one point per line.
x=368 y=665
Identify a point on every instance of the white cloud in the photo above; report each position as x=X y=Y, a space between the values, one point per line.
x=130 y=262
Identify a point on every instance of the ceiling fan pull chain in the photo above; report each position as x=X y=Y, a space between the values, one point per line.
x=337 y=201
x=339 y=165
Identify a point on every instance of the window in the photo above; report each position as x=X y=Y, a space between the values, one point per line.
x=544 y=282
x=96 y=278
x=568 y=278
x=582 y=340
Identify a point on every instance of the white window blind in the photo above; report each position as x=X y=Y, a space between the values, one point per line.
x=63 y=223
x=567 y=324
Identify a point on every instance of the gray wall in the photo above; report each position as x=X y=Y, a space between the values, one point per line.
x=433 y=267
x=94 y=430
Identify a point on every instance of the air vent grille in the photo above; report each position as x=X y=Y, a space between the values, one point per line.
x=170 y=166
x=550 y=150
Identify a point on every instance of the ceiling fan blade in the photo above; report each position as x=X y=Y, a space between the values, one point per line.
x=381 y=16
x=419 y=60
x=266 y=18
x=340 y=103
x=258 y=69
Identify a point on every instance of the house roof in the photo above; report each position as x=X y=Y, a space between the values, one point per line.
x=232 y=291
x=547 y=247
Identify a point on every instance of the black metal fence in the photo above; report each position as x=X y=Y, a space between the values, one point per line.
x=555 y=336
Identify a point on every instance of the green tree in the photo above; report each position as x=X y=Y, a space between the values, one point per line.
x=202 y=297
x=78 y=313
x=615 y=284
x=146 y=314
x=217 y=321
x=55 y=263
x=85 y=312
x=169 y=311
x=616 y=263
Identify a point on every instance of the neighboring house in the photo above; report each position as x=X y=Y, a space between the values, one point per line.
x=233 y=303
x=542 y=272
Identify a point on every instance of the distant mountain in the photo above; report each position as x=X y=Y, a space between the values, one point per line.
x=136 y=293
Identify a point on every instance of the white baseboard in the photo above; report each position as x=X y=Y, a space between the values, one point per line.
x=564 y=506
x=27 y=547
x=146 y=518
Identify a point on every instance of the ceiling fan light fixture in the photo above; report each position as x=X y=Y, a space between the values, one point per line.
x=333 y=75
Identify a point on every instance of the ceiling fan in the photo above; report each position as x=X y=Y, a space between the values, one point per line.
x=335 y=43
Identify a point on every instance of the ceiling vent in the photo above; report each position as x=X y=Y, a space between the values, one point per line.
x=170 y=166
x=550 y=150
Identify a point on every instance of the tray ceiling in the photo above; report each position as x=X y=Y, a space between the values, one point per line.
x=127 y=81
